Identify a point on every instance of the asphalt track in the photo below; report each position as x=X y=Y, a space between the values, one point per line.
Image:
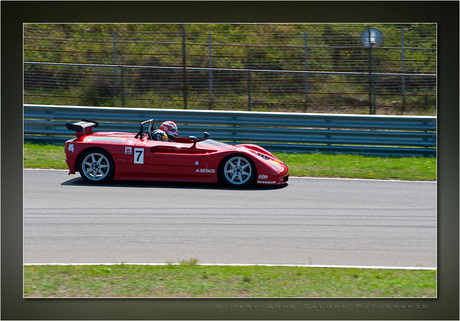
x=307 y=222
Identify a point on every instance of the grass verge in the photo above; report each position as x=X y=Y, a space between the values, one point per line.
x=188 y=279
x=357 y=166
x=316 y=165
x=44 y=156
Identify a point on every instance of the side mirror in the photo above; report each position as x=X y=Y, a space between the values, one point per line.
x=206 y=135
x=194 y=140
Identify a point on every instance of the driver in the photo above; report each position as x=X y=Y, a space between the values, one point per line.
x=168 y=132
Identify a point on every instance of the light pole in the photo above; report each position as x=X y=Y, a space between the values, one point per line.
x=371 y=38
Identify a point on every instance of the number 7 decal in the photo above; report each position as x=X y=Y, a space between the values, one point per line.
x=138 y=156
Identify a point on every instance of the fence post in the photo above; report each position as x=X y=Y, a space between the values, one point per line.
x=249 y=90
x=403 y=70
x=249 y=79
x=114 y=48
x=306 y=69
x=122 y=82
x=374 y=89
x=211 y=98
x=184 y=69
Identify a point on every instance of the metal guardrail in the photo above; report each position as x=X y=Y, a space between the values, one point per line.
x=282 y=132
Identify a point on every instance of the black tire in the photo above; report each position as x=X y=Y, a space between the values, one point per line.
x=96 y=166
x=237 y=170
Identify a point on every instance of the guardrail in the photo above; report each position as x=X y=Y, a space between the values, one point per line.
x=281 y=132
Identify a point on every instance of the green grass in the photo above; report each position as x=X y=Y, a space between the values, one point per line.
x=316 y=165
x=192 y=280
x=356 y=166
x=44 y=156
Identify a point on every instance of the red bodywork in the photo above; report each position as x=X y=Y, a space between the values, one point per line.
x=183 y=160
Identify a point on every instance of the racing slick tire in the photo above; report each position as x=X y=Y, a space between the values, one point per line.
x=237 y=171
x=96 y=166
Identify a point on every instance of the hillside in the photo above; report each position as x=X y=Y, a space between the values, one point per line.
x=233 y=67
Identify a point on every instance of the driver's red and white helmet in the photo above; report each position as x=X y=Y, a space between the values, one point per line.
x=170 y=128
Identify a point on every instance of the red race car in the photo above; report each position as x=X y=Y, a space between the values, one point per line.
x=104 y=156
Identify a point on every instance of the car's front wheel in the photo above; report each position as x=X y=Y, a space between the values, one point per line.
x=237 y=171
x=96 y=166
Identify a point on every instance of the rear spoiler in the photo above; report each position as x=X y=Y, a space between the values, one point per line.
x=82 y=128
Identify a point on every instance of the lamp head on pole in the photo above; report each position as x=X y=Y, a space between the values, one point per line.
x=371 y=38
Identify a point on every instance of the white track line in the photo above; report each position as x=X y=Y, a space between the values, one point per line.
x=363 y=179
x=283 y=265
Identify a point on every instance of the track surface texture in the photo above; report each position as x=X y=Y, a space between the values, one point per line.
x=308 y=222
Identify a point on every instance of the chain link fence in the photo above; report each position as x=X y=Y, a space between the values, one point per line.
x=317 y=68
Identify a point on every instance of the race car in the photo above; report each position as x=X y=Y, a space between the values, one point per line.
x=101 y=157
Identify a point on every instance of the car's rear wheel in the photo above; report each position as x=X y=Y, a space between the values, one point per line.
x=96 y=166
x=237 y=170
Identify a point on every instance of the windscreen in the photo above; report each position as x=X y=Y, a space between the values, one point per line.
x=211 y=142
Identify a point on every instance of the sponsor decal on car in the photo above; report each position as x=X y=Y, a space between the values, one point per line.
x=71 y=148
x=130 y=141
x=104 y=140
x=205 y=170
x=266 y=182
x=263 y=176
x=128 y=150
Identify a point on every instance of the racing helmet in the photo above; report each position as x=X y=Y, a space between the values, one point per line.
x=159 y=135
x=170 y=128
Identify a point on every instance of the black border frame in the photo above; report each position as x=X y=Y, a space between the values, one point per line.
x=15 y=13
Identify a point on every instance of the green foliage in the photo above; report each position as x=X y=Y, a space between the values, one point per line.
x=331 y=47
